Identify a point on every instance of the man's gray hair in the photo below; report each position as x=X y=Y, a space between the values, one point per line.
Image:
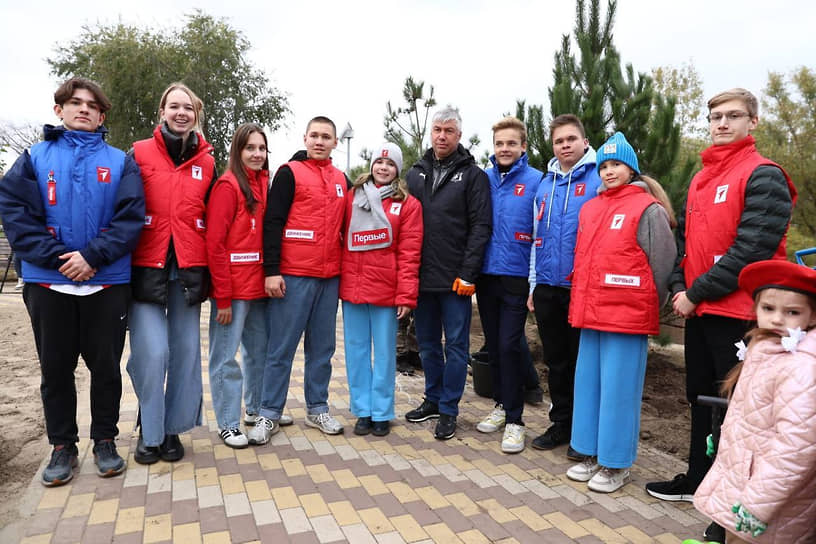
x=448 y=113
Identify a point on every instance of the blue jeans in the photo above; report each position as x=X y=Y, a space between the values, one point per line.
x=310 y=307
x=371 y=385
x=608 y=391
x=248 y=329
x=445 y=372
x=165 y=345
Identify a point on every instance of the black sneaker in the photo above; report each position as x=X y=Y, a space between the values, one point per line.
x=678 y=489
x=171 y=449
x=573 y=455
x=426 y=410
x=60 y=468
x=558 y=434
x=445 y=427
x=145 y=455
x=363 y=426
x=108 y=461
x=381 y=428
x=714 y=533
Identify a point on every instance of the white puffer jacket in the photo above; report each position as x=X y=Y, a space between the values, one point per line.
x=767 y=452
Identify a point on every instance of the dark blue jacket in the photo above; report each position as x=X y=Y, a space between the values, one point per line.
x=557 y=203
x=508 y=251
x=73 y=192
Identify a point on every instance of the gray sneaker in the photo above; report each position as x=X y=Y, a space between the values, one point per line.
x=325 y=422
x=262 y=431
x=250 y=419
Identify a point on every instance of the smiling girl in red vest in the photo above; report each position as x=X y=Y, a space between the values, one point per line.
x=235 y=214
x=170 y=278
x=623 y=257
x=379 y=283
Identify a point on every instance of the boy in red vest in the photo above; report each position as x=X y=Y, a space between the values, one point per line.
x=737 y=212
x=302 y=228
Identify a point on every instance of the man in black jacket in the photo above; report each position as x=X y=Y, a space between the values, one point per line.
x=455 y=197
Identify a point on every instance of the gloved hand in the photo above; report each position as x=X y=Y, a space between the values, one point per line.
x=710 y=448
x=746 y=522
x=463 y=288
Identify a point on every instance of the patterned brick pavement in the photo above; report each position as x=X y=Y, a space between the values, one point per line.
x=306 y=487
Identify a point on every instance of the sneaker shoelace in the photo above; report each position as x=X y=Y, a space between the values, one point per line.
x=58 y=454
x=105 y=447
x=589 y=464
x=230 y=432
x=513 y=432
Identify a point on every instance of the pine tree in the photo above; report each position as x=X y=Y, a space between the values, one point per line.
x=591 y=84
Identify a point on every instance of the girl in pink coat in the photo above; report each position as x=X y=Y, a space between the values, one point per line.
x=762 y=486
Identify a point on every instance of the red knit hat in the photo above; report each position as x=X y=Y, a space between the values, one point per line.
x=778 y=274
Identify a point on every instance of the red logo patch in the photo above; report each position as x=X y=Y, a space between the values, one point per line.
x=369 y=237
x=103 y=174
x=519 y=189
x=384 y=153
x=541 y=210
x=523 y=237
x=580 y=189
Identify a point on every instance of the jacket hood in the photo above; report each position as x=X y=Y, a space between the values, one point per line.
x=299 y=155
x=52 y=132
x=587 y=161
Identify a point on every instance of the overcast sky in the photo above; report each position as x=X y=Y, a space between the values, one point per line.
x=346 y=59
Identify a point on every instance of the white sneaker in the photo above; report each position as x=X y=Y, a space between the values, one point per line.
x=234 y=438
x=585 y=470
x=513 y=439
x=263 y=430
x=325 y=422
x=608 y=480
x=285 y=419
x=20 y=284
x=493 y=422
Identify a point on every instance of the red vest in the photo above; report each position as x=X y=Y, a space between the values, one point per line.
x=613 y=286
x=716 y=199
x=174 y=203
x=244 y=243
x=310 y=245
x=387 y=276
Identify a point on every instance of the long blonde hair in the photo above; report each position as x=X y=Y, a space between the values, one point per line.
x=660 y=194
x=398 y=184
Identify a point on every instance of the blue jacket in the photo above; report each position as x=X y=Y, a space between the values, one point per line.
x=73 y=192
x=557 y=203
x=508 y=251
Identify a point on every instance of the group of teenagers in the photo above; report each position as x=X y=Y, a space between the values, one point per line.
x=111 y=240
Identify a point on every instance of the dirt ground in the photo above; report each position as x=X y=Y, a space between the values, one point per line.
x=665 y=423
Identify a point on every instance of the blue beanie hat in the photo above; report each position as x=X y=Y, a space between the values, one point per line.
x=618 y=149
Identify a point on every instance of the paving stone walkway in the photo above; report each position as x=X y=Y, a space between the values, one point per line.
x=306 y=487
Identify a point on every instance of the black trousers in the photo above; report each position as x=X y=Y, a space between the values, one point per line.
x=65 y=327
x=709 y=354
x=503 y=310
x=559 y=341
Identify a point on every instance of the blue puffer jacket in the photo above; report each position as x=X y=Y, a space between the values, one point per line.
x=508 y=251
x=73 y=192
x=557 y=203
